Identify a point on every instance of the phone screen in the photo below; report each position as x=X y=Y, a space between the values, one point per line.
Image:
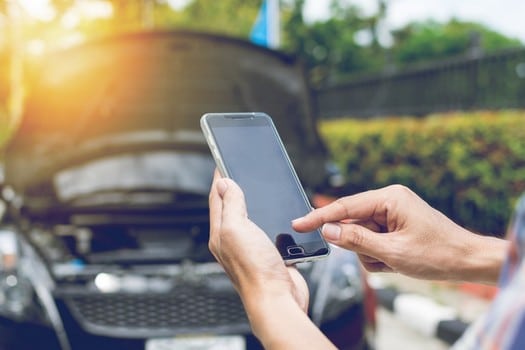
x=253 y=156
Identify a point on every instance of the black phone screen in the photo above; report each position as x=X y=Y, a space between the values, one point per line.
x=254 y=157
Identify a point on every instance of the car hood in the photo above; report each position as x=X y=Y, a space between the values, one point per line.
x=148 y=91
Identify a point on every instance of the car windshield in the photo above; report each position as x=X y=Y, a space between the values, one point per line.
x=175 y=171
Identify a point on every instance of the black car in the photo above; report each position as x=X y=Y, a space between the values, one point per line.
x=103 y=241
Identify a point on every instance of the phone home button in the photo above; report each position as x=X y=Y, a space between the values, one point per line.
x=295 y=250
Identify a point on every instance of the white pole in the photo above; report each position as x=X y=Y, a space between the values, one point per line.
x=274 y=25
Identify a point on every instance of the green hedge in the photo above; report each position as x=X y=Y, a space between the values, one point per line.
x=469 y=166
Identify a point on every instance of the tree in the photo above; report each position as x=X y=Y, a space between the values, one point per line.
x=431 y=40
x=329 y=47
x=231 y=17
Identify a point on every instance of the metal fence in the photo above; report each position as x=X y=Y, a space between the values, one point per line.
x=490 y=81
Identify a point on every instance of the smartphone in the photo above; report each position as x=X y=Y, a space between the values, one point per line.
x=247 y=148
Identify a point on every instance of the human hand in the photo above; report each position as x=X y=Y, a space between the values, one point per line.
x=246 y=253
x=268 y=288
x=392 y=229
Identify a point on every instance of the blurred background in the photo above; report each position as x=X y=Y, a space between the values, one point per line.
x=426 y=94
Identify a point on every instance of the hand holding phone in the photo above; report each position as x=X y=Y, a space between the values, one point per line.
x=247 y=148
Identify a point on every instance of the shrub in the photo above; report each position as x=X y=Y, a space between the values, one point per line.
x=469 y=166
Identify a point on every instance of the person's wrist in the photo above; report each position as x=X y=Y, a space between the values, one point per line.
x=263 y=308
x=484 y=259
x=280 y=323
x=254 y=294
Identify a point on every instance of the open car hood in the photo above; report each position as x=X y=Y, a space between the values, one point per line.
x=148 y=91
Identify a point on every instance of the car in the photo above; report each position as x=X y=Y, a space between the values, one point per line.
x=104 y=230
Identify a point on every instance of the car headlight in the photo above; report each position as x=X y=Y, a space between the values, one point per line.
x=26 y=285
x=336 y=284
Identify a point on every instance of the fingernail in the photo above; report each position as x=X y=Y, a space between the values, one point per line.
x=295 y=221
x=222 y=186
x=331 y=232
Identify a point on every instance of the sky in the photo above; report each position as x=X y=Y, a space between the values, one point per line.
x=503 y=16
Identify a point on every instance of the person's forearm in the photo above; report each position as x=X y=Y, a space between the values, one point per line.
x=484 y=260
x=279 y=323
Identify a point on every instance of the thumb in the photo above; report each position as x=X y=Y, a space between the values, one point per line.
x=358 y=239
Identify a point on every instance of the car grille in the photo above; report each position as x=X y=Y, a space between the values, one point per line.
x=186 y=310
